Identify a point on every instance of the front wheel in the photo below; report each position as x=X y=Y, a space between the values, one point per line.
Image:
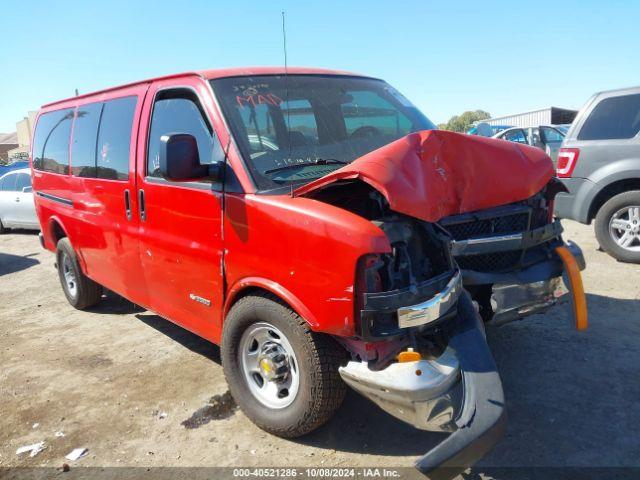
x=283 y=376
x=617 y=226
x=80 y=290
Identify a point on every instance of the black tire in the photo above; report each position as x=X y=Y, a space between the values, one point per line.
x=604 y=217
x=321 y=390
x=87 y=292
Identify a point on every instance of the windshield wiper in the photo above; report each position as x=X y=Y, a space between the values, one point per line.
x=318 y=161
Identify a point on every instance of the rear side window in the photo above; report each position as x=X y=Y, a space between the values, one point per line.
x=85 y=135
x=517 y=136
x=51 y=141
x=114 y=138
x=23 y=180
x=8 y=183
x=613 y=118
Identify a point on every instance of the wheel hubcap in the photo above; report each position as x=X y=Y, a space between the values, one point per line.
x=69 y=275
x=624 y=228
x=269 y=365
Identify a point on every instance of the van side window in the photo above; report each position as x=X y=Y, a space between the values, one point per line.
x=51 y=141
x=114 y=138
x=613 y=118
x=178 y=111
x=83 y=145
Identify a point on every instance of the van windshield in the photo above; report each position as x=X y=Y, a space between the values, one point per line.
x=294 y=129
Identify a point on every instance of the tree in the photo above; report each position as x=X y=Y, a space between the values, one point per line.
x=463 y=122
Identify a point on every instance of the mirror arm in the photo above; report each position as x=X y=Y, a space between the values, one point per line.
x=215 y=170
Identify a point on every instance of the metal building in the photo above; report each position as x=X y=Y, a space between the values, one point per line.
x=8 y=141
x=545 y=116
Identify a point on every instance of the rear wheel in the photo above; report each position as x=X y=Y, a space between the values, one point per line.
x=80 y=290
x=617 y=226
x=282 y=375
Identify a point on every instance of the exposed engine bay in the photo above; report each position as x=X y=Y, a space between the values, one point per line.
x=419 y=266
x=487 y=247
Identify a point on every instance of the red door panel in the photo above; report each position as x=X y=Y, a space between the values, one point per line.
x=180 y=232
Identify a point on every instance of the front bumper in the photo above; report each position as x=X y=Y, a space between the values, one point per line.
x=532 y=290
x=459 y=392
x=512 y=302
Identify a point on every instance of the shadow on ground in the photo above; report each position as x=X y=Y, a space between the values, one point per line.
x=112 y=303
x=15 y=263
x=184 y=337
x=572 y=397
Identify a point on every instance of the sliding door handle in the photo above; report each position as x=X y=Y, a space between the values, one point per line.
x=127 y=204
x=141 y=205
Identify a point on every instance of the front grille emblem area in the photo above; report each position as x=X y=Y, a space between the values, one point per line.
x=504 y=221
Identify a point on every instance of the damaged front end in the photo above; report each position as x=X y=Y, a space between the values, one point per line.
x=508 y=256
x=472 y=238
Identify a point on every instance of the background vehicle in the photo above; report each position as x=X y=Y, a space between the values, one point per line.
x=13 y=166
x=599 y=164
x=547 y=137
x=493 y=128
x=17 y=209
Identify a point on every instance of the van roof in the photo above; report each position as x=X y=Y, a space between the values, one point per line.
x=616 y=90
x=218 y=73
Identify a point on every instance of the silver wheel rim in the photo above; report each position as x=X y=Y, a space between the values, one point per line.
x=69 y=275
x=269 y=365
x=624 y=228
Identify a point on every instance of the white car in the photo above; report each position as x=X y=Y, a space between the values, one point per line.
x=17 y=209
x=546 y=137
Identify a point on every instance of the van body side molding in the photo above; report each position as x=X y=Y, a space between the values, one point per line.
x=64 y=201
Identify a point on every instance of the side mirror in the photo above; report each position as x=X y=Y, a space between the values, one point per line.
x=180 y=162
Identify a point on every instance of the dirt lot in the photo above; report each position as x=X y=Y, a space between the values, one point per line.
x=106 y=378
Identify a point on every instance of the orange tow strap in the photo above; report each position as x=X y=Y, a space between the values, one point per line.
x=577 y=290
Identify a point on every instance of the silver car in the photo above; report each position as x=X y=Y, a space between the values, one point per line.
x=17 y=209
x=547 y=137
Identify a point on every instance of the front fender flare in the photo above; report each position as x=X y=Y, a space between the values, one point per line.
x=269 y=285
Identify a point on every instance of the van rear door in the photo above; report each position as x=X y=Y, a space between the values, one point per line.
x=180 y=223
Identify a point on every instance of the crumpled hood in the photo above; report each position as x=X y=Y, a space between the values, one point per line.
x=434 y=173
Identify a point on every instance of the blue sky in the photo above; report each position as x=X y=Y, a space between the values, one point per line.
x=447 y=57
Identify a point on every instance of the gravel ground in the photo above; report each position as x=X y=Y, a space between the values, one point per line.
x=121 y=381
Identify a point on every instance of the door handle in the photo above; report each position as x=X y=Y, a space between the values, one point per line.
x=127 y=204
x=17 y=199
x=141 y=205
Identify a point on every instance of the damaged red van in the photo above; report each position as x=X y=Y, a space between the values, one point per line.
x=317 y=227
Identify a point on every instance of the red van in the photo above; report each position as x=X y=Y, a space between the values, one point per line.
x=317 y=227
